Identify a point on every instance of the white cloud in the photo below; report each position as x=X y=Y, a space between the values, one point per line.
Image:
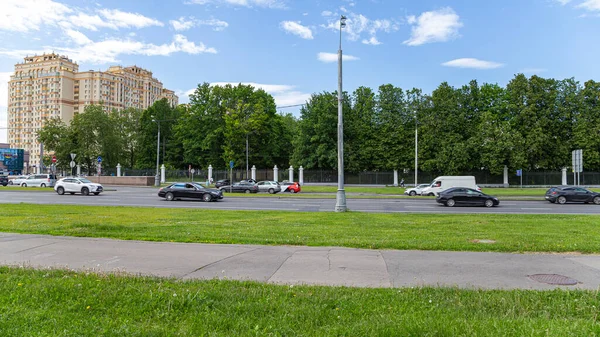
x=297 y=29
x=126 y=19
x=185 y=24
x=358 y=25
x=217 y=24
x=590 y=5
x=77 y=37
x=182 y=24
x=107 y=51
x=28 y=15
x=282 y=93
x=435 y=26
x=244 y=3
x=563 y=2
x=326 y=13
x=333 y=57
x=32 y=15
x=472 y=63
x=372 y=41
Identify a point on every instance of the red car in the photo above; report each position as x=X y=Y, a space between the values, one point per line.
x=292 y=187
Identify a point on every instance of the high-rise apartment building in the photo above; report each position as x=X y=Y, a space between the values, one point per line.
x=50 y=85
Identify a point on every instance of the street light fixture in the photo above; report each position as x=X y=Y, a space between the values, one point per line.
x=340 y=203
x=157 y=176
x=416 y=150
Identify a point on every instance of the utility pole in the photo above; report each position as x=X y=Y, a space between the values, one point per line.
x=416 y=150
x=340 y=203
x=157 y=176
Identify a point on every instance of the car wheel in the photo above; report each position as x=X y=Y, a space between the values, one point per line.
x=292 y=191
x=207 y=197
x=169 y=196
x=85 y=191
x=431 y=194
x=271 y=191
x=450 y=202
x=597 y=200
x=10 y=182
x=23 y=185
x=247 y=191
x=43 y=185
x=489 y=203
x=60 y=190
x=96 y=193
x=562 y=200
x=412 y=193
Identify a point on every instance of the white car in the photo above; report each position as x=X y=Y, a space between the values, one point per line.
x=416 y=190
x=74 y=185
x=18 y=180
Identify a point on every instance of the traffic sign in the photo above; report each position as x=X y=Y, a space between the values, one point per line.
x=54 y=159
x=193 y=171
x=72 y=164
x=519 y=173
x=73 y=155
x=231 y=164
x=99 y=159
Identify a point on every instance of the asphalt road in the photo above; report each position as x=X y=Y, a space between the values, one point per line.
x=144 y=196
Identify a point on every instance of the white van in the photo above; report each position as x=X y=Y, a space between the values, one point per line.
x=443 y=183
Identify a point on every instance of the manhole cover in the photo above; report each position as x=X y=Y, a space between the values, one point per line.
x=554 y=279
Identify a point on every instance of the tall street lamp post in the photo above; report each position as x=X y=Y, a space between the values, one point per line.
x=416 y=150
x=157 y=176
x=340 y=204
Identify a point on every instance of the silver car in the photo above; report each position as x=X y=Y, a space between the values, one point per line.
x=18 y=180
x=416 y=190
x=269 y=186
x=39 y=180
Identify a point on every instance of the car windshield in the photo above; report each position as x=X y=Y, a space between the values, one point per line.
x=85 y=181
x=198 y=186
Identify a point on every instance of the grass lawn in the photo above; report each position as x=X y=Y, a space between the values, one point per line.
x=64 y=303
x=451 y=232
x=26 y=189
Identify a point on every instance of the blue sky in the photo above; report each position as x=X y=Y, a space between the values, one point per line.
x=285 y=46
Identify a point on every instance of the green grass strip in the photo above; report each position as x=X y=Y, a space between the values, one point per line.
x=450 y=232
x=64 y=303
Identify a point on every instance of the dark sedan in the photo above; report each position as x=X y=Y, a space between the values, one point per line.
x=241 y=187
x=467 y=197
x=178 y=191
x=3 y=180
x=222 y=182
x=564 y=194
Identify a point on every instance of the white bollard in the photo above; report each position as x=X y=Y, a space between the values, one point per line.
x=301 y=176
x=275 y=173
x=395 y=178
x=291 y=175
x=254 y=172
x=118 y=170
x=210 y=168
x=162 y=173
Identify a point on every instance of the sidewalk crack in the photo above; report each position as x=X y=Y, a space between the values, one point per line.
x=281 y=265
x=32 y=248
x=218 y=261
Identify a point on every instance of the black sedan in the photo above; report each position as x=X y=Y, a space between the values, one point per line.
x=564 y=194
x=241 y=187
x=467 y=197
x=3 y=180
x=178 y=191
x=222 y=182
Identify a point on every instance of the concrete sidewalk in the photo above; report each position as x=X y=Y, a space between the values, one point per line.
x=300 y=265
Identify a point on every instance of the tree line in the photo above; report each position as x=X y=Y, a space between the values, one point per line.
x=531 y=123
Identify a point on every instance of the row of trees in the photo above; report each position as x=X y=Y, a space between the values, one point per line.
x=532 y=123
